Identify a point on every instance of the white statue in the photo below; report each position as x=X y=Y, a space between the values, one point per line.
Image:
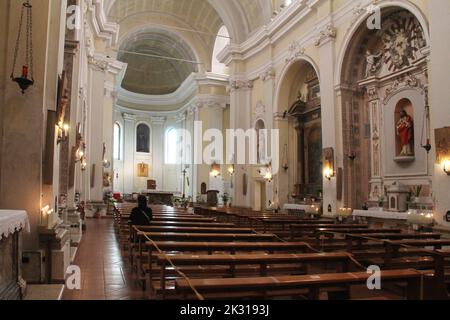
x=373 y=62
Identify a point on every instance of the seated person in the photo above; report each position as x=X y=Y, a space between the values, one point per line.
x=142 y=214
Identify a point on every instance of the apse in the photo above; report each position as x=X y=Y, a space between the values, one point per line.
x=158 y=62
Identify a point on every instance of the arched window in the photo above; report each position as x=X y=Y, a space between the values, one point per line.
x=117 y=137
x=143 y=138
x=222 y=40
x=171 y=146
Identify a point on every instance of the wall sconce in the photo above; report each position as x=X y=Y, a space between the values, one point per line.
x=63 y=131
x=231 y=170
x=215 y=170
x=328 y=163
x=446 y=166
x=328 y=173
x=106 y=162
x=266 y=173
x=83 y=165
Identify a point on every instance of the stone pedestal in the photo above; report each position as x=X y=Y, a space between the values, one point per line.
x=56 y=244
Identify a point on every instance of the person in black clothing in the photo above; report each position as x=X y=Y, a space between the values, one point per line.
x=142 y=214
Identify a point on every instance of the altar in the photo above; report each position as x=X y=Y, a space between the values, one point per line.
x=12 y=224
x=293 y=208
x=159 y=197
x=381 y=218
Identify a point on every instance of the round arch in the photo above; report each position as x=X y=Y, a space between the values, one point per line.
x=355 y=27
x=284 y=73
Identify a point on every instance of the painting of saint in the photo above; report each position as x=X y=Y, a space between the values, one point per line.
x=142 y=170
x=143 y=138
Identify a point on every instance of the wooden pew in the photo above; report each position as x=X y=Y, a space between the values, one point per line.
x=179 y=229
x=263 y=261
x=304 y=229
x=224 y=247
x=240 y=288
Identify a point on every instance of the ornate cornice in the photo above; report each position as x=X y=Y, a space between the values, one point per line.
x=158 y=120
x=407 y=82
x=129 y=117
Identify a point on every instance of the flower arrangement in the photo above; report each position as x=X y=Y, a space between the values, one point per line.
x=381 y=201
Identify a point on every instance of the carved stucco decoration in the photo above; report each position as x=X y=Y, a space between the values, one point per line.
x=267 y=75
x=329 y=33
x=402 y=39
x=240 y=84
x=295 y=51
x=407 y=82
x=260 y=111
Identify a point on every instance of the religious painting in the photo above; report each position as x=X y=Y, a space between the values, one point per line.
x=106 y=179
x=404 y=126
x=203 y=188
x=442 y=137
x=142 y=170
x=143 y=138
x=314 y=155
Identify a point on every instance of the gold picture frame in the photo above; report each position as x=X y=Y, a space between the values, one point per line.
x=142 y=170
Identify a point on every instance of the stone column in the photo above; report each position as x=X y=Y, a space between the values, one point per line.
x=240 y=109
x=24 y=121
x=158 y=139
x=439 y=98
x=97 y=73
x=268 y=78
x=281 y=192
x=194 y=111
x=215 y=122
x=330 y=115
x=70 y=65
x=376 y=148
x=128 y=155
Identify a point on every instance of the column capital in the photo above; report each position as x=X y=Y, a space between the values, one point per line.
x=240 y=84
x=129 y=117
x=158 y=120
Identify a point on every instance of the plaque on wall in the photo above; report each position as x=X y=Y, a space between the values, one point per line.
x=442 y=144
x=73 y=156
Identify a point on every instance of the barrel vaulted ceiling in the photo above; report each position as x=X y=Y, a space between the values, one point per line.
x=180 y=29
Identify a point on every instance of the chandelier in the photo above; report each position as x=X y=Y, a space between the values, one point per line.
x=24 y=81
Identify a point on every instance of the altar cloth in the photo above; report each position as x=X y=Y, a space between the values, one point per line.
x=12 y=221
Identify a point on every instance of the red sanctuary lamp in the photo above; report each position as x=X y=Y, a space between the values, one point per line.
x=24 y=81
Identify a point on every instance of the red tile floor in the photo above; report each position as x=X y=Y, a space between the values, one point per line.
x=105 y=273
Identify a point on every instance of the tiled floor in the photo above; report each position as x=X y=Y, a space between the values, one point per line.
x=105 y=274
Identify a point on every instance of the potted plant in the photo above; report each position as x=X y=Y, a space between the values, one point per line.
x=225 y=199
x=381 y=202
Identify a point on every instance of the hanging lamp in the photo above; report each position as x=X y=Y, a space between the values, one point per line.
x=24 y=81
